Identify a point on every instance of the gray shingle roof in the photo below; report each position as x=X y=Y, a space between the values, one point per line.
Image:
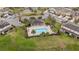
x=72 y=26
x=3 y=24
x=13 y=21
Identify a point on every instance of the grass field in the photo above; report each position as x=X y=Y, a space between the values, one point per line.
x=17 y=41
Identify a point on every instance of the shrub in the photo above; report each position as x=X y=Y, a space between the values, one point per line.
x=43 y=34
x=33 y=31
x=32 y=18
x=39 y=17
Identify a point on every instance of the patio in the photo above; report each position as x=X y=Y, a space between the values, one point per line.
x=30 y=29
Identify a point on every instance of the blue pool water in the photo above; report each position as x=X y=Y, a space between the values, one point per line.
x=40 y=30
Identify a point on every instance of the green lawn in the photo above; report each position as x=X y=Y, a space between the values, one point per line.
x=17 y=40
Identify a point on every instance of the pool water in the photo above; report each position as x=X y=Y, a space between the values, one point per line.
x=40 y=30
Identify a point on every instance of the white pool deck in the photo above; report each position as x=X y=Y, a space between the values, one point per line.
x=29 y=30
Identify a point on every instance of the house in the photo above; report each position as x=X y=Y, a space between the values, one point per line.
x=4 y=27
x=63 y=11
x=13 y=20
x=71 y=29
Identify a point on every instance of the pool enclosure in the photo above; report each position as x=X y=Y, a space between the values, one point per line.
x=37 y=30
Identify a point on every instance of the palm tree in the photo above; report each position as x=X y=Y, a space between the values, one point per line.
x=27 y=23
x=43 y=34
x=50 y=21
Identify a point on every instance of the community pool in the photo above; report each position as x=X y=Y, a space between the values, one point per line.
x=40 y=30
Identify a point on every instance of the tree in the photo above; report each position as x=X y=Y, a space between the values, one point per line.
x=53 y=22
x=30 y=9
x=35 y=11
x=39 y=8
x=43 y=34
x=76 y=8
x=32 y=18
x=50 y=21
x=57 y=27
x=47 y=33
x=33 y=31
x=40 y=17
x=27 y=23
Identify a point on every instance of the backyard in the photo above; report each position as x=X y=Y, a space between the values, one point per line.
x=17 y=40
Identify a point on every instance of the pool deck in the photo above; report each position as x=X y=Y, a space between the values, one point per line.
x=29 y=30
